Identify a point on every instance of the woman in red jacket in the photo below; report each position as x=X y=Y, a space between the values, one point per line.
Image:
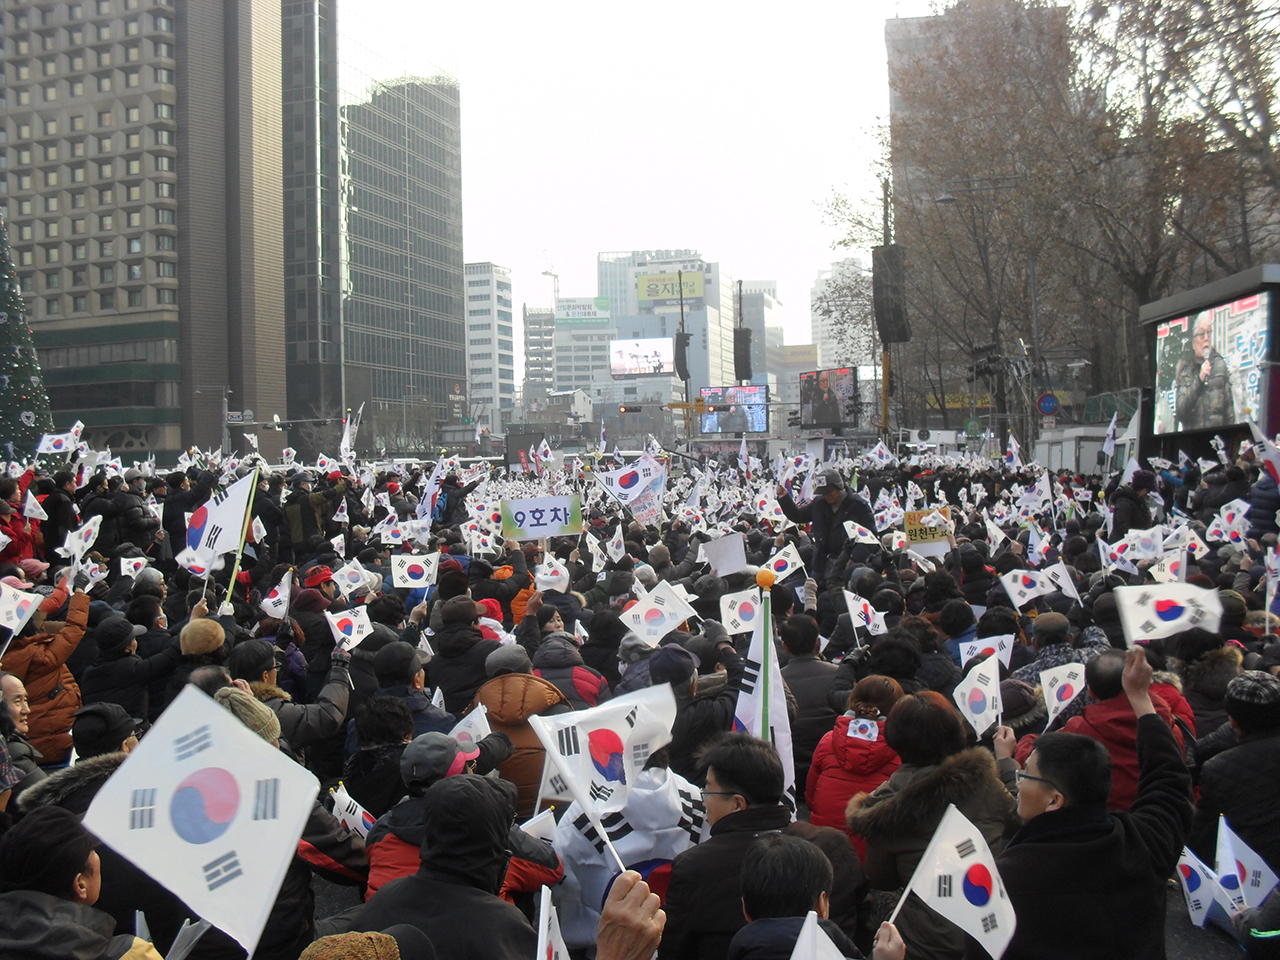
x=853 y=758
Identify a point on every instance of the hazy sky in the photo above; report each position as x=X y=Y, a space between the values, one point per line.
x=716 y=125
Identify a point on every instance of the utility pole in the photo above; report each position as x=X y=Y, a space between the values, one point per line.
x=884 y=357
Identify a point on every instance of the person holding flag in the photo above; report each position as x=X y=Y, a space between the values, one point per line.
x=1089 y=882
x=826 y=514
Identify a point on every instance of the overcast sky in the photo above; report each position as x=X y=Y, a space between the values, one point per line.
x=589 y=126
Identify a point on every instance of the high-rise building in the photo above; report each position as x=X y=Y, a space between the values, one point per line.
x=613 y=279
x=581 y=345
x=539 y=351
x=403 y=326
x=762 y=314
x=491 y=346
x=824 y=318
x=145 y=210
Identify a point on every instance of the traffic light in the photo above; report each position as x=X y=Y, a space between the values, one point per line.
x=793 y=418
x=628 y=409
x=711 y=408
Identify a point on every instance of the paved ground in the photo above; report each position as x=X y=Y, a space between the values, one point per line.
x=1182 y=940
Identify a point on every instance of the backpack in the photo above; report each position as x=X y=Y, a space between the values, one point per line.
x=441 y=509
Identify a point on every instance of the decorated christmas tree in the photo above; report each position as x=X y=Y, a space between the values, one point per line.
x=24 y=403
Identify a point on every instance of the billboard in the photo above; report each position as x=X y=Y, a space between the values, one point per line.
x=582 y=310
x=823 y=394
x=738 y=409
x=642 y=358
x=663 y=289
x=457 y=397
x=1210 y=366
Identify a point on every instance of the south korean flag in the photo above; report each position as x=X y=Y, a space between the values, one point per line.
x=785 y=562
x=662 y=611
x=411 y=571
x=739 y=611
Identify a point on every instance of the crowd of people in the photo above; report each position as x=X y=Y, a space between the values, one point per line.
x=1086 y=815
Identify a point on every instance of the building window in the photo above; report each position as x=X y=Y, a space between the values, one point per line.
x=133 y=79
x=135 y=244
x=24 y=98
x=51 y=178
x=164 y=50
x=51 y=229
x=164 y=75
x=77 y=148
x=164 y=138
x=79 y=304
x=106 y=249
x=77 y=122
x=479 y=313
x=166 y=190
x=477 y=283
x=166 y=268
x=132 y=55
x=104 y=196
x=481 y=342
x=135 y=298
x=107 y=275
x=107 y=301
x=135 y=271
x=26 y=232
x=104 y=84
x=52 y=254
x=51 y=92
x=165 y=216
x=133 y=114
x=132 y=28
x=77 y=88
x=478 y=297
x=80 y=277
x=53 y=306
x=134 y=167
x=166 y=242
x=52 y=281
x=105 y=222
x=105 y=171
x=79 y=251
x=106 y=144
x=27 y=257
x=164 y=23
x=164 y=111
x=135 y=218
x=50 y=127
x=50 y=204
x=135 y=193
x=165 y=164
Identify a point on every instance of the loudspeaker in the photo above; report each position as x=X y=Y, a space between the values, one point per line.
x=889 y=293
x=742 y=353
x=682 y=355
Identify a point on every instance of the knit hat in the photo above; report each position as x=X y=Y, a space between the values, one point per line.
x=1233 y=608
x=1253 y=700
x=45 y=852
x=508 y=658
x=461 y=610
x=353 y=946
x=114 y=633
x=1051 y=625
x=201 y=636
x=492 y=608
x=434 y=756
x=828 y=479
x=318 y=575
x=100 y=728
x=255 y=715
x=672 y=663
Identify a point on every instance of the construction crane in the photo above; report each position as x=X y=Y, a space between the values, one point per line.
x=555 y=277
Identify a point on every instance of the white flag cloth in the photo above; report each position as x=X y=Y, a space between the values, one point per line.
x=978 y=696
x=339 y=544
x=350 y=813
x=1172 y=568
x=57 y=443
x=1245 y=876
x=1109 y=443
x=1001 y=646
x=31 y=508
x=474 y=726
x=1025 y=585
x=81 y=539
x=631 y=481
x=257 y=530
x=350 y=577
x=761 y=709
x=550 y=942
x=132 y=566
x=862 y=614
x=551 y=574
x=413 y=571
x=957 y=877
x=210 y=810
x=600 y=751
x=1200 y=888
x=860 y=534
x=17 y=607
x=739 y=611
x=340 y=515
x=785 y=562
x=813 y=942
x=217 y=525
x=994 y=534
x=1061 y=685
x=657 y=614
x=616 y=545
x=1060 y=577
x=276 y=602
x=349 y=627
x=1163 y=609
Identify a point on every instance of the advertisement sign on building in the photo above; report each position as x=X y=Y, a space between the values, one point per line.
x=663 y=289
x=582 y=310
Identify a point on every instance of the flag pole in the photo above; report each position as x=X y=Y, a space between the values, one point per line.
x=901 y=900
x=244 y=535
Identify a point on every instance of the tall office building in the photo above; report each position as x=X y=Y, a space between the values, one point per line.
x=145 y=209
x=762 y=314
x=613 y=279
x=539 y=351
x=491 y=347
x=824 y=322
x=403 y=327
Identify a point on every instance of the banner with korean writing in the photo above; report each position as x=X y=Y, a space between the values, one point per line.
x=927 y=538
x=541 y=517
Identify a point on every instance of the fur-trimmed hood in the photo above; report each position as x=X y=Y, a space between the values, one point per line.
x=85 y=777
x=1226 y=659
x=916 y=796
x=268 y=691
x=1169 y=677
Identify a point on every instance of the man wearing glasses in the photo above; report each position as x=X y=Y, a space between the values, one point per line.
x=1085 y=882
x=1204 y=382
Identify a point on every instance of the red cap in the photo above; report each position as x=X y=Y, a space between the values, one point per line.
x=244 y=577
x=317 y=576
x=393 y=487
x=492 y=607
x=335 y=476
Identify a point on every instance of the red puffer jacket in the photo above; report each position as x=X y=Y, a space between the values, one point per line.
x=844 y=765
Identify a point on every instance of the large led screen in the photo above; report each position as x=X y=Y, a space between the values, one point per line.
x=823 y=394
x=1210 y=366
x=642 y=358
x=737 y=409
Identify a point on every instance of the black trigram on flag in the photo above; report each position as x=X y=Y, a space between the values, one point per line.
x=223 y=870
x=750 y=675
x=988 y=923
x=983 y=679
x=568 y=741
x=631 y=717
x=189 y=745
x=599 y=791
x=266 y=799
x=211 y=535
x=944 y=884
x=692 y=815
x=142 y=809
x=1255 y=879
x=615 y=825
x=558 y=786
x=966 y=848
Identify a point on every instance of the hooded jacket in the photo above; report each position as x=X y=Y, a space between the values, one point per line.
x=511 y=700
x=842 y=767
x=305 y=725
x=1204 y=684
x=826 y=524
x=40 y=662
x=126 y=678
x=898 y=821
x=1130 y=512
x=558 y=661
x=38 y=926
x=774 y=938
x=458 y=666
x=1113 y=724
x=453 y=898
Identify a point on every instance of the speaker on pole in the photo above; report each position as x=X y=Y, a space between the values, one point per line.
x=682 y=354
x=889 y=293
x=742 y=353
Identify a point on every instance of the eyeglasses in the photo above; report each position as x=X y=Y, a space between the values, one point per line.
x=1022 y=775
x=716 y=793
x=1203 y=335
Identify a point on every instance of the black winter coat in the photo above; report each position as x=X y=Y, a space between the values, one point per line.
x=458 y=666
x=62 y=520
x=701 y=719
x=138 y=525
x=826 y=529
x=704 y=896
x=1264 y=501
x=127 y=679
x=1242 y=784
x=1130 y=512
x=1086 y=883
x=810 y=681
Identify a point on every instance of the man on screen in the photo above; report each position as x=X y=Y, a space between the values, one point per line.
x=1203 y=381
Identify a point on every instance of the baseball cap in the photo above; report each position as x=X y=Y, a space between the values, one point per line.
x=132 y=474
x=434 y=756
x=317 y=576
x=672 y=663
x=100 y=728
x=1051 y=624
x=396 y=663
x=461 y=610
x=828 y=478
x=114 y=633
